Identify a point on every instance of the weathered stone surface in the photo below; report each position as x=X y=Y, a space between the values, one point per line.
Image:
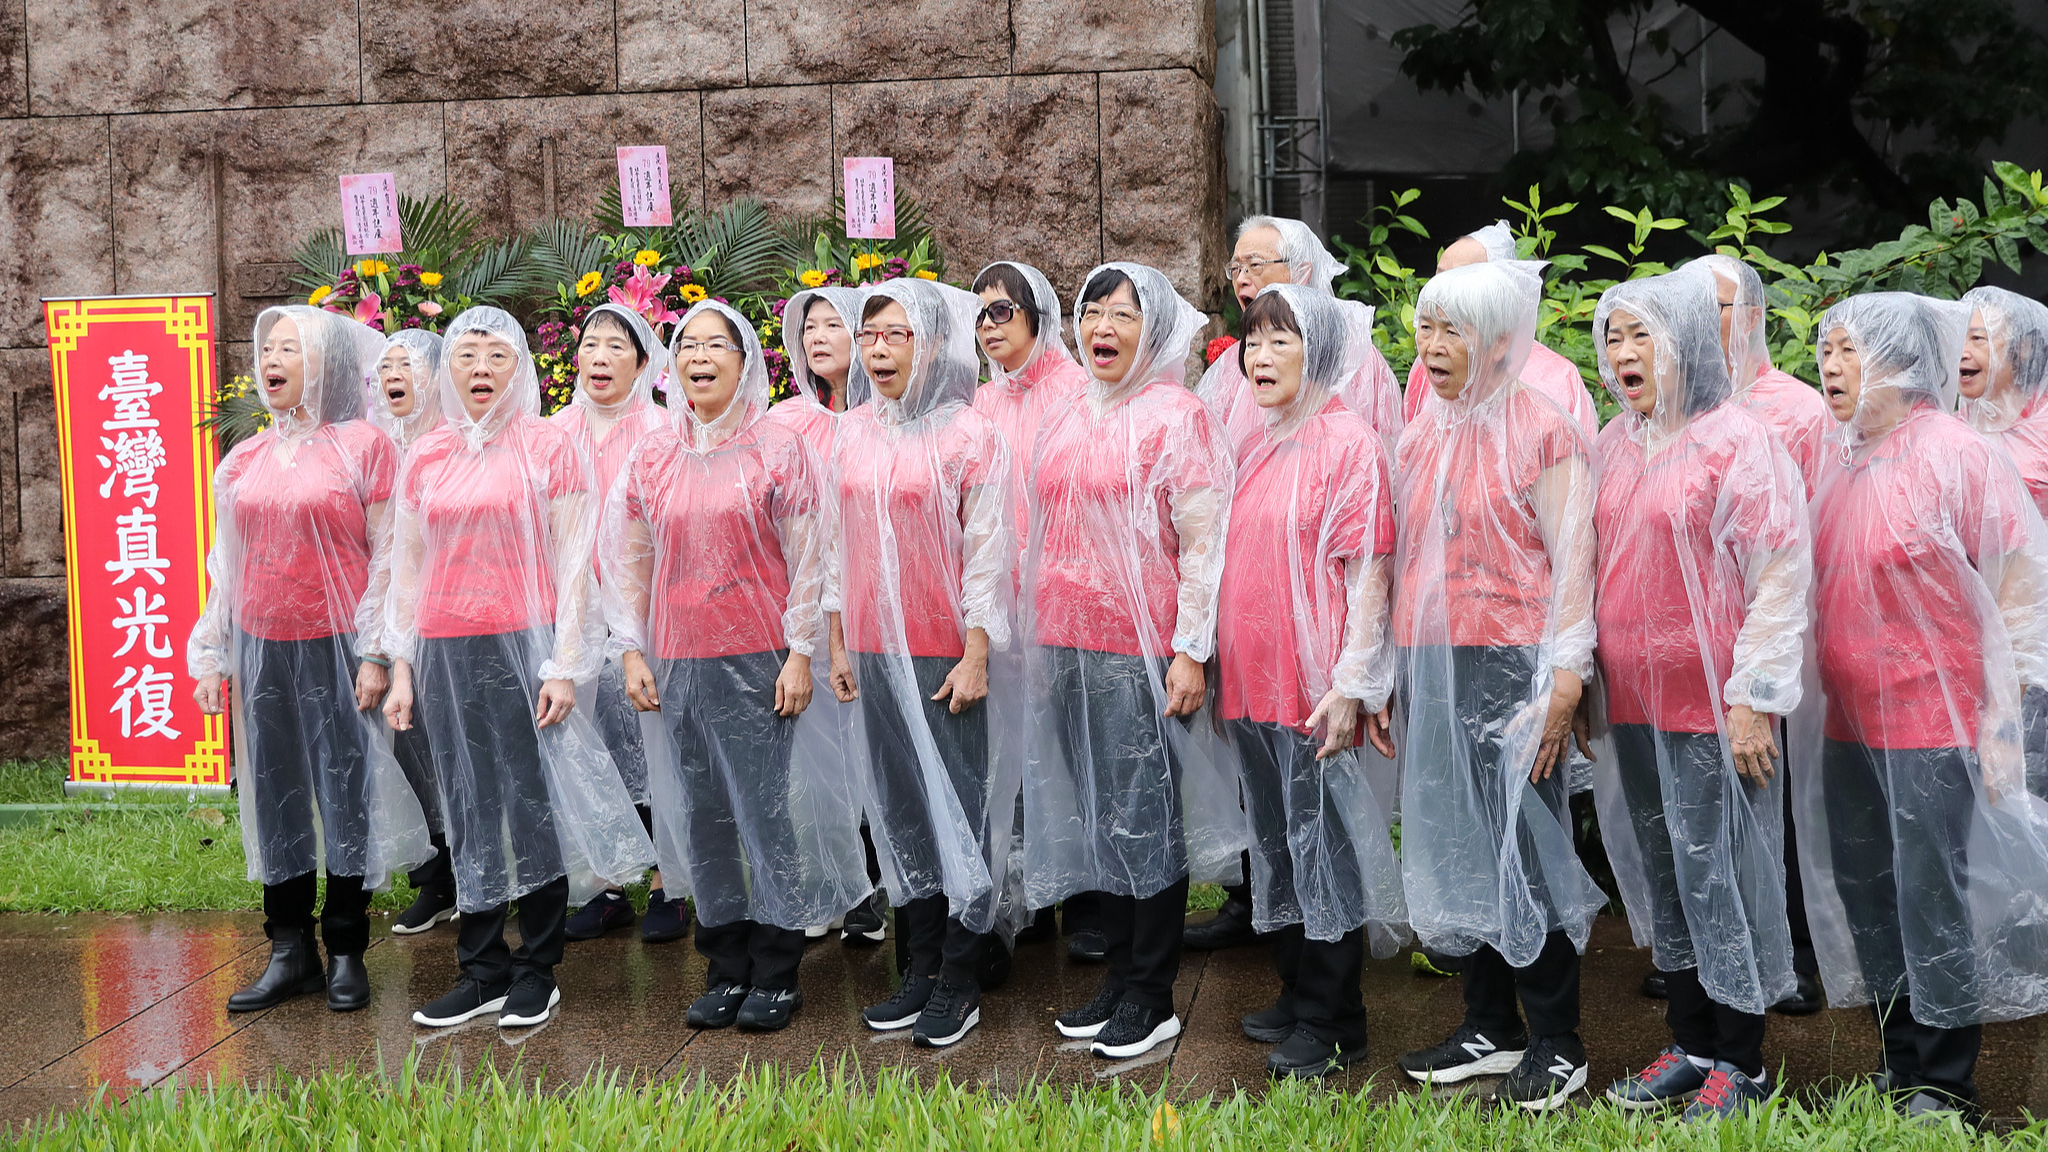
x=498 y=151
x=814 y=41
x=35 y=696
x=31 y=493
x=479 y=49
x=276 y=172
x=774 y=144
x=1062 y=36
x=670 y=44
x=1005 y=168
x=53 y=217
x=1162 y=178
x=13 y=58
x=168 y=55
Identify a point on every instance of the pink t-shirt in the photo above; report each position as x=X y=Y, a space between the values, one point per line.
x=1019 y=408
x=2026 y=442
x=1370 y=393
x=1676 y=531
x=1898 y=597
x=1546 y=371
x=812 y=421
x=1103 y=492
x=1302 y=508
x=720 y=581
x=607 y=456
x=1797 y=414
x=488 y=567
x=303 y=521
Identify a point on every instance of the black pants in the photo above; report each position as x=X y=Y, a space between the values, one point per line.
x=733 y=758
x=2034 y=721
x=1144 y=934
x=1709 y=1030
x=1548 y=989
x=1112 y=736
x=416 y=760
x=1863 y=787
x=344 y=922
x=480 y=937
x=1805 y=961
x=751 y=955
x=1081 y=912
x=308 y=755
x=937 y=944
x=1283 y=786
x=1319 y=984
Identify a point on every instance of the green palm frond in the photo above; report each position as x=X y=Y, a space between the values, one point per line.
x=438 y=232
x=559 y=252
x=737 y=249
x=237 y=414
x=500 y=273
x=323 y=259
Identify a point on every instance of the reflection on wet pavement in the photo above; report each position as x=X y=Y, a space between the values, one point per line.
x=98 y=1003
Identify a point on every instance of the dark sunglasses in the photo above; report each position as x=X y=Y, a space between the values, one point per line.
x=998 y=312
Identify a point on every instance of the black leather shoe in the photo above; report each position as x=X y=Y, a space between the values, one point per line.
x=1088 y=947
x=997 y=964
x=1231 y=927
x=294 y=971
x=1805 y=1000
x=1655 y=987
x=1268 y=1025
x=348 y=983
x=1305 y=1056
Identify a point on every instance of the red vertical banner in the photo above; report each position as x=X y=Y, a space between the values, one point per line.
x=133 y=378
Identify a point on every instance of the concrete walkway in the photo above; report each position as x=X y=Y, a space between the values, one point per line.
x=120 y=1002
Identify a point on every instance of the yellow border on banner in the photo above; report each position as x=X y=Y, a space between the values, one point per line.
x=190 y=320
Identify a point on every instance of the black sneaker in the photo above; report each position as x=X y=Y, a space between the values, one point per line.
x=1306 y=1056
x=666 y=919
x=768 y=1011
x=1085 y=1022
x=948 y=1016
x=1231 y=927
x=1670 y=1079
x=1656 y=986
x=469 y=1000
x=901 y=1010
x=1552 y=1069
x=867 y=923
x=717 y=1008
x=429 y=907
x=1134 y=1030
x=1468 y=1053
x=533 y=996
x=997 y=965
x=605 y=912
x=1728 y=1093
x=1268 y=1025
x=1088 y=947
x=1044 y=925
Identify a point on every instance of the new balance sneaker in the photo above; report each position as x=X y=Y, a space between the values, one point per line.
x=429 y=907
x=1134 y=1030
x=948 y=1016
x=717 y=1008
x=1268 y=1025
x=867 y=923
x=1671 y=1078
x=666 y=919
x=1551 y=1070
x=605 y=912
x=1468 y=1053
x=901 y=1010
x=1727 y=1093
x=532 y=998
x=469 y=1000
x=1306 y=1056
x=1085 y=1022
x=768 y=1010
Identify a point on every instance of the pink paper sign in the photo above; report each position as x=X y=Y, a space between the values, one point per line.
x=870 y=198
x=643 y=187
x=369 y=214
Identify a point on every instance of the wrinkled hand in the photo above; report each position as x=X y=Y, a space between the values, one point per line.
x=372 y=681
x=1562 y=725
x=1340 y=712
x=557 y=698
x=1186 y=684
x=211 y=694
x=843 y=685
x=793 y=687
x=640 y=687
x=1379 y=729
x=398 y=701
x=966 y=685
x=1753 y=744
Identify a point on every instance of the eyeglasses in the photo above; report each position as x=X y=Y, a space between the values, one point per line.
x=894 y=337
x=467 y=358
x=716 y=346
x=1119 y=316
x=1255 y=265
x=998 y=312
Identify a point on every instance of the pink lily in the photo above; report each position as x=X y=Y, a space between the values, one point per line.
x=369 y=311
x=642 y=293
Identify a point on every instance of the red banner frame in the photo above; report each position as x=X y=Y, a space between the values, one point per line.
x=134 y=376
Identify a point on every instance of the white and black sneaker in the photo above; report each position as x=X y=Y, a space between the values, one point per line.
x=901 y=1010
x=867 y=922
x=429 y=907
x=1552 y=1069
x=1086 y=1022
x=1134 y=1030
x=469 y=1000
x=1468 y=1053
x=533 y=996
x=948 y=1016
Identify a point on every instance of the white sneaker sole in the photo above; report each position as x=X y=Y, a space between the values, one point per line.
x=966 y=1026
x=891 y=1025
x=484 y=1008
x=874 y=936
x=507 y=1020
x=1557 y=1097
x=1084 y=1032
x=1491 y=1064
x=1167 y=1030
x=1628 y=1105
x=441 y=917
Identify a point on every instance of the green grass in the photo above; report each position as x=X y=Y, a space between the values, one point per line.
x=827 y=1109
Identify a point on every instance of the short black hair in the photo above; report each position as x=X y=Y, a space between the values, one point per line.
x=1010 y=280
x=1104 y=283
x=875 y=304
x=1269 y=312
x=615 y=320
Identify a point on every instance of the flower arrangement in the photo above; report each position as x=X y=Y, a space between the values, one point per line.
x=389 y=299
x=445 y=267
x=237 y=412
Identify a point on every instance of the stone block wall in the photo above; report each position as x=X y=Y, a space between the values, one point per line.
x=187 y=145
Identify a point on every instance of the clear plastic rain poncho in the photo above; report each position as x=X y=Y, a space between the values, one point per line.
x=918 y=498
x=606 y=435
x=1705 y=568
x=492 y=593
x=1790 y=407
x=2013 y=409
x=1303 y=610
x=807 y=410
x=713 y=547
x=1050 y=382
x=1129 y=510
x=423 y=357
x=1370 y=390
x=1925 y=860
x=300 y=509
x=1494 y=592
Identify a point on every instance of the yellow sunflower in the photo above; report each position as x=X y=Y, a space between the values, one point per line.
x=319 y=294
x=431 y=279
x=812 y=279
x=372 y=268
x=589 y=283
x=865 y=261
x=927 y=274
x=694 y=293
x=647 y=257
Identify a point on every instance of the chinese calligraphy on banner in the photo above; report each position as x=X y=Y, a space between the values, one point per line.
x=369 y=214
x=132 y=377
x=870 y=198
x=643 y=187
